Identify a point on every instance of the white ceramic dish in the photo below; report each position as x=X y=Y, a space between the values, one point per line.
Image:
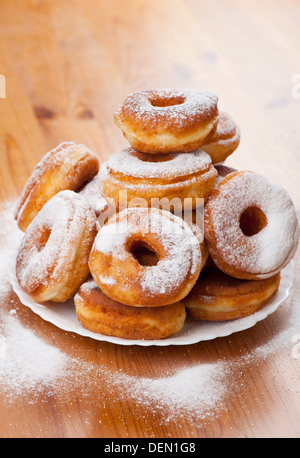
x=64 y=317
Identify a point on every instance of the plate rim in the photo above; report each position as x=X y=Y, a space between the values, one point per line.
x=249 y=321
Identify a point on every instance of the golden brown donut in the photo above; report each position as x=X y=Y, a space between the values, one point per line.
x=99 y=313
x=68 y=166
x=171 y=182
x=166 y=120
x=117 y=271
x=219 y=297
x=251 y=226
x=224 y=140
x=52 y=261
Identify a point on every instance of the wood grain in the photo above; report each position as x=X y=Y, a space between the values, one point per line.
x=67 y=66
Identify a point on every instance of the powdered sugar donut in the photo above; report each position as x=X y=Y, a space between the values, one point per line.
x=130 y=178
x=99 y=313
x=251 y=226
x=166 y=120
x=68 y=166
x=117 y=271
x=220 y=297
x=224 y=140
x=52 y=261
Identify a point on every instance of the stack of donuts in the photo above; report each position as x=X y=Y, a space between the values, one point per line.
x=160 y=231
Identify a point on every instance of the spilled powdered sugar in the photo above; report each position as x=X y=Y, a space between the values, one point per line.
x=25 y=360
x=200 y=385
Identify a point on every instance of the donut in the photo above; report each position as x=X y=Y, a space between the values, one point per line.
x=224 y=140
x=118 y=272
x=170 y=181
x=52 y=261
x=251 y=226
x=101 y=314
x=167 y=120
x=68 y=166
x=219 y=297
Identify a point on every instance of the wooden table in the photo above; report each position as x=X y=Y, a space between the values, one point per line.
x=67 y=65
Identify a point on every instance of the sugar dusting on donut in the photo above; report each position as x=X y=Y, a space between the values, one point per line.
x=226 y=128
x=224 y=138
x=111 y=239
x=177 y=239
x=129 y=162
x=66 y=216
x=184 y=253
x=88 y=285
x=68 y=166
x=191 y=106
x=145 y=185
x=59 y=156
x=272 y=247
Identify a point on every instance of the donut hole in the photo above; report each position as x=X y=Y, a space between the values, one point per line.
x=252 y=221
x=167 y=101
x=154 y=157
x=42 y=238
x=143 y=253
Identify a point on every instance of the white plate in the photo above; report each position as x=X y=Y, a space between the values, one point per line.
x=63 y=315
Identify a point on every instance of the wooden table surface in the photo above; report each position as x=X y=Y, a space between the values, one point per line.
x=67 y=65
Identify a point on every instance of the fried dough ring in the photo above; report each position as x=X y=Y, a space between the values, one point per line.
x=219 y=297
x=170 y=182
x=250 y=226
x=224 y=140
x=52 y=261
x=99 y=313
x=118 y=273
x=68 y=166
x=167 y=121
